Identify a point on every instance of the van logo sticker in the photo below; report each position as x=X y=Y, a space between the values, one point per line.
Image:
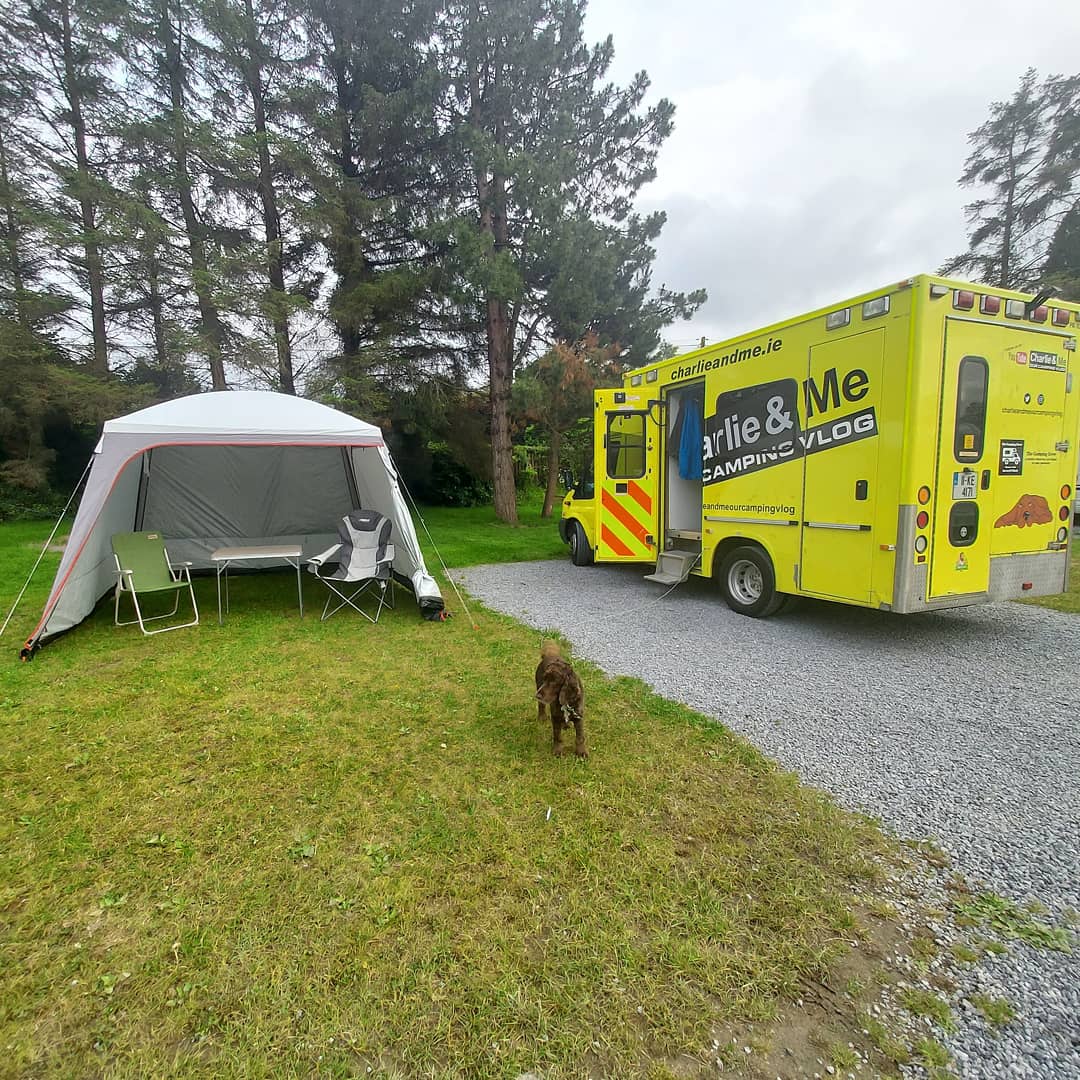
x=1045 y=361
x=1021 y=357
x=756 y=427
x=1011 y=457
x=1029 y=510
x=961 y=563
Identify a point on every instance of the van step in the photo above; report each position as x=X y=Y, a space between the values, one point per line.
x=673 y=567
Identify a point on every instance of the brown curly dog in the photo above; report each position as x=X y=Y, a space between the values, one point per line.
x=558 y=687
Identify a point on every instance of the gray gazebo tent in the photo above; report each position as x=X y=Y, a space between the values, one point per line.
x=228 y=468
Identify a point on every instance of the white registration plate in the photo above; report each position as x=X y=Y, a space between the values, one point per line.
x=964 y=485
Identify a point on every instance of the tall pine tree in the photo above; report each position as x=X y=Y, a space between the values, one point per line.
x=174 y=149
x=69 y=48
x=1014 y=163
x=541 y=139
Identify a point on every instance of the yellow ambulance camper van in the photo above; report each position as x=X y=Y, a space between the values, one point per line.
x=910 y=449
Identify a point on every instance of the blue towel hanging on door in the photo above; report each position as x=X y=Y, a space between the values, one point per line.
x=690 y=443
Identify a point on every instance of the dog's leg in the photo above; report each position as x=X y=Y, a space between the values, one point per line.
x=556 y=729
x=580 y=748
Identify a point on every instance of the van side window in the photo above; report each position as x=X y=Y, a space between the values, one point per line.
x=970 y=432
x=626 y=445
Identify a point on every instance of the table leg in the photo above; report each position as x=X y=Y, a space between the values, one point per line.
x=299 y=586
x=218 y=576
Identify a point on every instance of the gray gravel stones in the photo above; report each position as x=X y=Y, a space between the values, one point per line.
x=958 y=727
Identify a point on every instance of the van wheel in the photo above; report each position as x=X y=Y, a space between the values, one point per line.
x=748 y=583
x=580 y=552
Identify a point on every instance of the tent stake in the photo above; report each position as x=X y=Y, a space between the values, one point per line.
x=453 y=584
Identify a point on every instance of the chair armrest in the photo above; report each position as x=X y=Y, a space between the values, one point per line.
x=388 y=555
x=324 y=557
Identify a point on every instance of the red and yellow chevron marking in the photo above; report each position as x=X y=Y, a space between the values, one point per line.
x=625 y=522
x=610 y=540
x=640 y=496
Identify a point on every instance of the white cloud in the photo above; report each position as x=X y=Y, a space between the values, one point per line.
x=816 y=151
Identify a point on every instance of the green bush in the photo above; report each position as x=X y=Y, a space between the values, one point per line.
x=20 y=504
x=452 y=483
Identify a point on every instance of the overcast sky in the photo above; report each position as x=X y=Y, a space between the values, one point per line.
x=817 y=147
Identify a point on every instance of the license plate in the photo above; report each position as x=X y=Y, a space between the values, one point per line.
x=964 y=485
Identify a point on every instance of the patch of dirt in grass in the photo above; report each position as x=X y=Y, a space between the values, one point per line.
x=57 y=547
x=823 y=1028
x=826 y=1021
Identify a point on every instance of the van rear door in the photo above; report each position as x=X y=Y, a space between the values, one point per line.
x=1002 y=449
x=625 y=468
x=1031 y=450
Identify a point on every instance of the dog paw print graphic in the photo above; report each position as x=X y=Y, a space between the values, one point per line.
x=1029 y=510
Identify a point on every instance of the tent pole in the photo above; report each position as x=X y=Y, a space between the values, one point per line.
x=47 y=543
x=350 y=476
x=144 y=483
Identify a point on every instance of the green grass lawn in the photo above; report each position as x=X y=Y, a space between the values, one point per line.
x=473 y=535
x=281 y=847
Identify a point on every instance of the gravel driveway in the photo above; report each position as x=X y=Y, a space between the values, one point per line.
x=960 y=727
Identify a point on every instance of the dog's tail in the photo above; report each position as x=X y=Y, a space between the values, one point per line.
x=550 y=650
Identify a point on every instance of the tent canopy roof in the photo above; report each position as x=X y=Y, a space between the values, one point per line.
x=245 y=412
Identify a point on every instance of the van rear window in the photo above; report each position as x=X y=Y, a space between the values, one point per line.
x=626 y=445
x=970 y=432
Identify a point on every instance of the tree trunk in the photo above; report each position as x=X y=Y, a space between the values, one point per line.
x=271 y=218
x=500 y=368
x=157 y=312
x=552 y=492
x=346 y=255
x=492 y=200
x=11 y=238
x=87 y=206
x=1010 y=214
x=211 y=330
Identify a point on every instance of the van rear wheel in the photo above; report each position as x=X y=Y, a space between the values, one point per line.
x=748 y=583
x=580 y=552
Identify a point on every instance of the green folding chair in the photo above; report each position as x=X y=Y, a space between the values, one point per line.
x=143 y=568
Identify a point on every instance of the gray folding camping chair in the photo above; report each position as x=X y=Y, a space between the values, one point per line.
x=364 y=559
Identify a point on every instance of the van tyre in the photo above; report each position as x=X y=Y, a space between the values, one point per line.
x=580 y=552
x=748 y=583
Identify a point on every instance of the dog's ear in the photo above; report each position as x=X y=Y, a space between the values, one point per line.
x=548 y=691
x=571 y=695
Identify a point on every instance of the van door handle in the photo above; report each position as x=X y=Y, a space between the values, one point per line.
x=862 y=490
x=986 y=479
